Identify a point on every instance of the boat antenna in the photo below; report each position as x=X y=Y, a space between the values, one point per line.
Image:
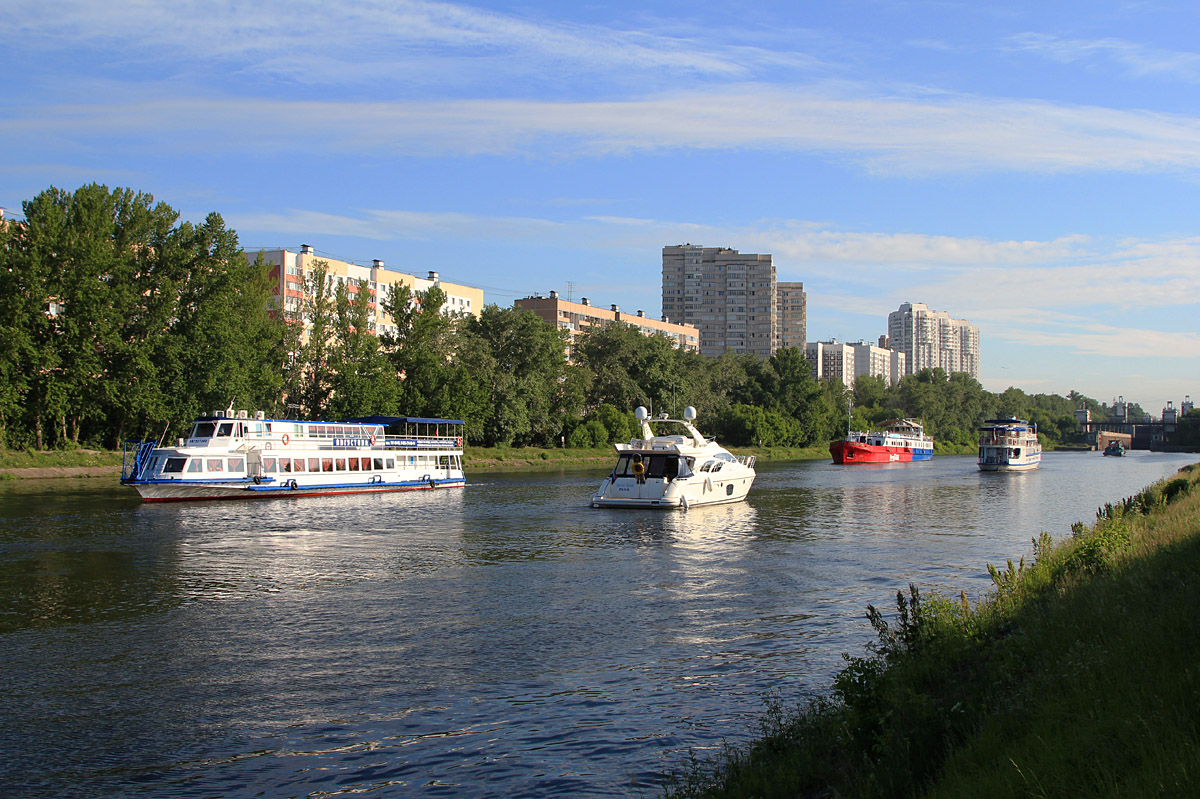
x=166 y=427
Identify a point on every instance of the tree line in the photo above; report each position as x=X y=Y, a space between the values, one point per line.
x=118 y=320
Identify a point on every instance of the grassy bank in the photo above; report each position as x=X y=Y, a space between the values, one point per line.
x=1078 y=676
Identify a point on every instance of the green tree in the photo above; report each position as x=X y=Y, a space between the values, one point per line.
x=362 y=381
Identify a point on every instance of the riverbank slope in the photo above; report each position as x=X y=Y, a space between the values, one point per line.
x=1078 y=676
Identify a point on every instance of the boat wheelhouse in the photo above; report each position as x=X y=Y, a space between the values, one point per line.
x=901 y=441
x=672 y=470
x=1008 y=445
x=1115 y=448
x=231 y=455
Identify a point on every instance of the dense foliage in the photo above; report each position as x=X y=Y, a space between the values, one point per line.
x=117 y=320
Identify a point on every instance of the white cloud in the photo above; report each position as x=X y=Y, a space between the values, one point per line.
x=1134 y=58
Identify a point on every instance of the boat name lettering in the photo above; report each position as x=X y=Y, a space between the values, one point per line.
x=352 y=442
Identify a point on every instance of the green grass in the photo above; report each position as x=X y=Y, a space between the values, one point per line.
x=1078 y=676
x=29 y=459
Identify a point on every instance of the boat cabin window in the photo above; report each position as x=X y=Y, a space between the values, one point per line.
x=225 y=430
x=215 y=465
x=707 y=467
x=204 y=430
x=195 y=465
x=174 y=465
x=653 y=465
x=268 y=464
x=236 y=464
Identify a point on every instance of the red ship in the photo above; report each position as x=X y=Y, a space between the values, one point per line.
x=901 y=441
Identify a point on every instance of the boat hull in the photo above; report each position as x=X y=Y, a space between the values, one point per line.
x=849 y=452
x=187 y=491
x=626 y=493
x=1009 y=467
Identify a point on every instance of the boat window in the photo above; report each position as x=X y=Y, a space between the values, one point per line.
x=298 y=465
x=314 y=464
x=204 y=430
x=225 y=430
x=327 y=464
x=391 y=463
x=174 y=465
x=354 y=464
x=236 y=464
x=1017 y=452
x=195 y=465
x=707 y=467
x=215 y=465
x=285 y=464
x=379 y=464
x=340 y=464
x=716 y=467
x=268 y=464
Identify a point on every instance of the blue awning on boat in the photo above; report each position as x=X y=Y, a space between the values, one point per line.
x=387 y=421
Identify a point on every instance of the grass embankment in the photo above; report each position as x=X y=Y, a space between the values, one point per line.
x=86 y=462
x=1078 y=676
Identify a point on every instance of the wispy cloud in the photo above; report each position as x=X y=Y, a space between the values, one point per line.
x=888 y=135
x=1133 y=58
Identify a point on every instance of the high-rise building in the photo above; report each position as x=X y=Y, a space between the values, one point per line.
x=930 y=339
x=292 y=270
x=579 y=317
x=791 y=313
x=830 y=360
x=728 y=296
x=877 y=362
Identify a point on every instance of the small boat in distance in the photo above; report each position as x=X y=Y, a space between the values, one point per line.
x=674 y=471
x=1115 y=448
x=1008 y=445
x=234 y=456
x=901 y=441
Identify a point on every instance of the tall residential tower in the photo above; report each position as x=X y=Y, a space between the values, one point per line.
x=930 y=339
x=729 y=296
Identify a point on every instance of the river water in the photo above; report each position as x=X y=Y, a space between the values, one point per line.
x=499 y=640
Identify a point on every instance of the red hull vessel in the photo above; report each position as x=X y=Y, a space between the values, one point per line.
x=902 y=441
x=853 y=452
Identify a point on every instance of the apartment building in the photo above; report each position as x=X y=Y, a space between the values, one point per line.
x=730 y=297
x=291 y=271
x=930 y=339
x=580 y=317
x=791 y=314
x=830 y=360
x=877 y=362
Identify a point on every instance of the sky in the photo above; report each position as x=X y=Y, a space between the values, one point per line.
x=1031 y=167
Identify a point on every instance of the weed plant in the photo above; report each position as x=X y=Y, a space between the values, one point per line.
x=1079 y=675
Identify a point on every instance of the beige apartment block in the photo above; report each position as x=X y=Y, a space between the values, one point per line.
x=930 y=339
x=877 y=362
x=830 y=360
x=791 y=314
x=580 y=317
x=727 y=295
x=291 y=270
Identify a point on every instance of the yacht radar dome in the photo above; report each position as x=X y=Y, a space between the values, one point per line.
x=689 y=413
x=640 y=413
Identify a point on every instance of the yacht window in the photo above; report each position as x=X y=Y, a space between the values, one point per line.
x=716 y=467
x=225 y=430
x=174 y=465
x=204 y=430
x=707 y=467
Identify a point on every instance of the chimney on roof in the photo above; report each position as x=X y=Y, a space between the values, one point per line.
x=377 y=264
x=641 y=313
x=615 y=307
x=433 y=277
x=584 y=301
x=306 y=249
x=553 y=294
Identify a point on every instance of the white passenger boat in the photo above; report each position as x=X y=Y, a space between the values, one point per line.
x=1008 y=445
x=235 y=456
x=674 y=471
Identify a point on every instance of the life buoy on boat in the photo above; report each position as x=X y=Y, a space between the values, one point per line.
x=257 y=479
x=372 y=439
x=285 y=439
x=458 y=441
x=638 y=469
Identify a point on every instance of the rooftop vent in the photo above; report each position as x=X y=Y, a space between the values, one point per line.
x=377 y=264
x=306 y=249
x=433 y=276
x=615 y=307
x=584 y=301
x=553 y=294
x=641 y=313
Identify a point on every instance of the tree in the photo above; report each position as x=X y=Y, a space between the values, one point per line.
x=362 y=381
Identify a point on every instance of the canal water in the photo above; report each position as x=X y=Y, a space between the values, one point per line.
x=500 y=640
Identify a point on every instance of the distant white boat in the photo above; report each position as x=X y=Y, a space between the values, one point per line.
x=1008 y=445
x=233 y=456
x=674 y=471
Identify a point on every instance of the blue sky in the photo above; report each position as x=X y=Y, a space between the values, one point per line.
x=1032 y=167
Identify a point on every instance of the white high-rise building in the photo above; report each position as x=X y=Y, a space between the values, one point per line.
x=930 y=339
x=830 y=360
x=728 y=296
x=877 y=362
